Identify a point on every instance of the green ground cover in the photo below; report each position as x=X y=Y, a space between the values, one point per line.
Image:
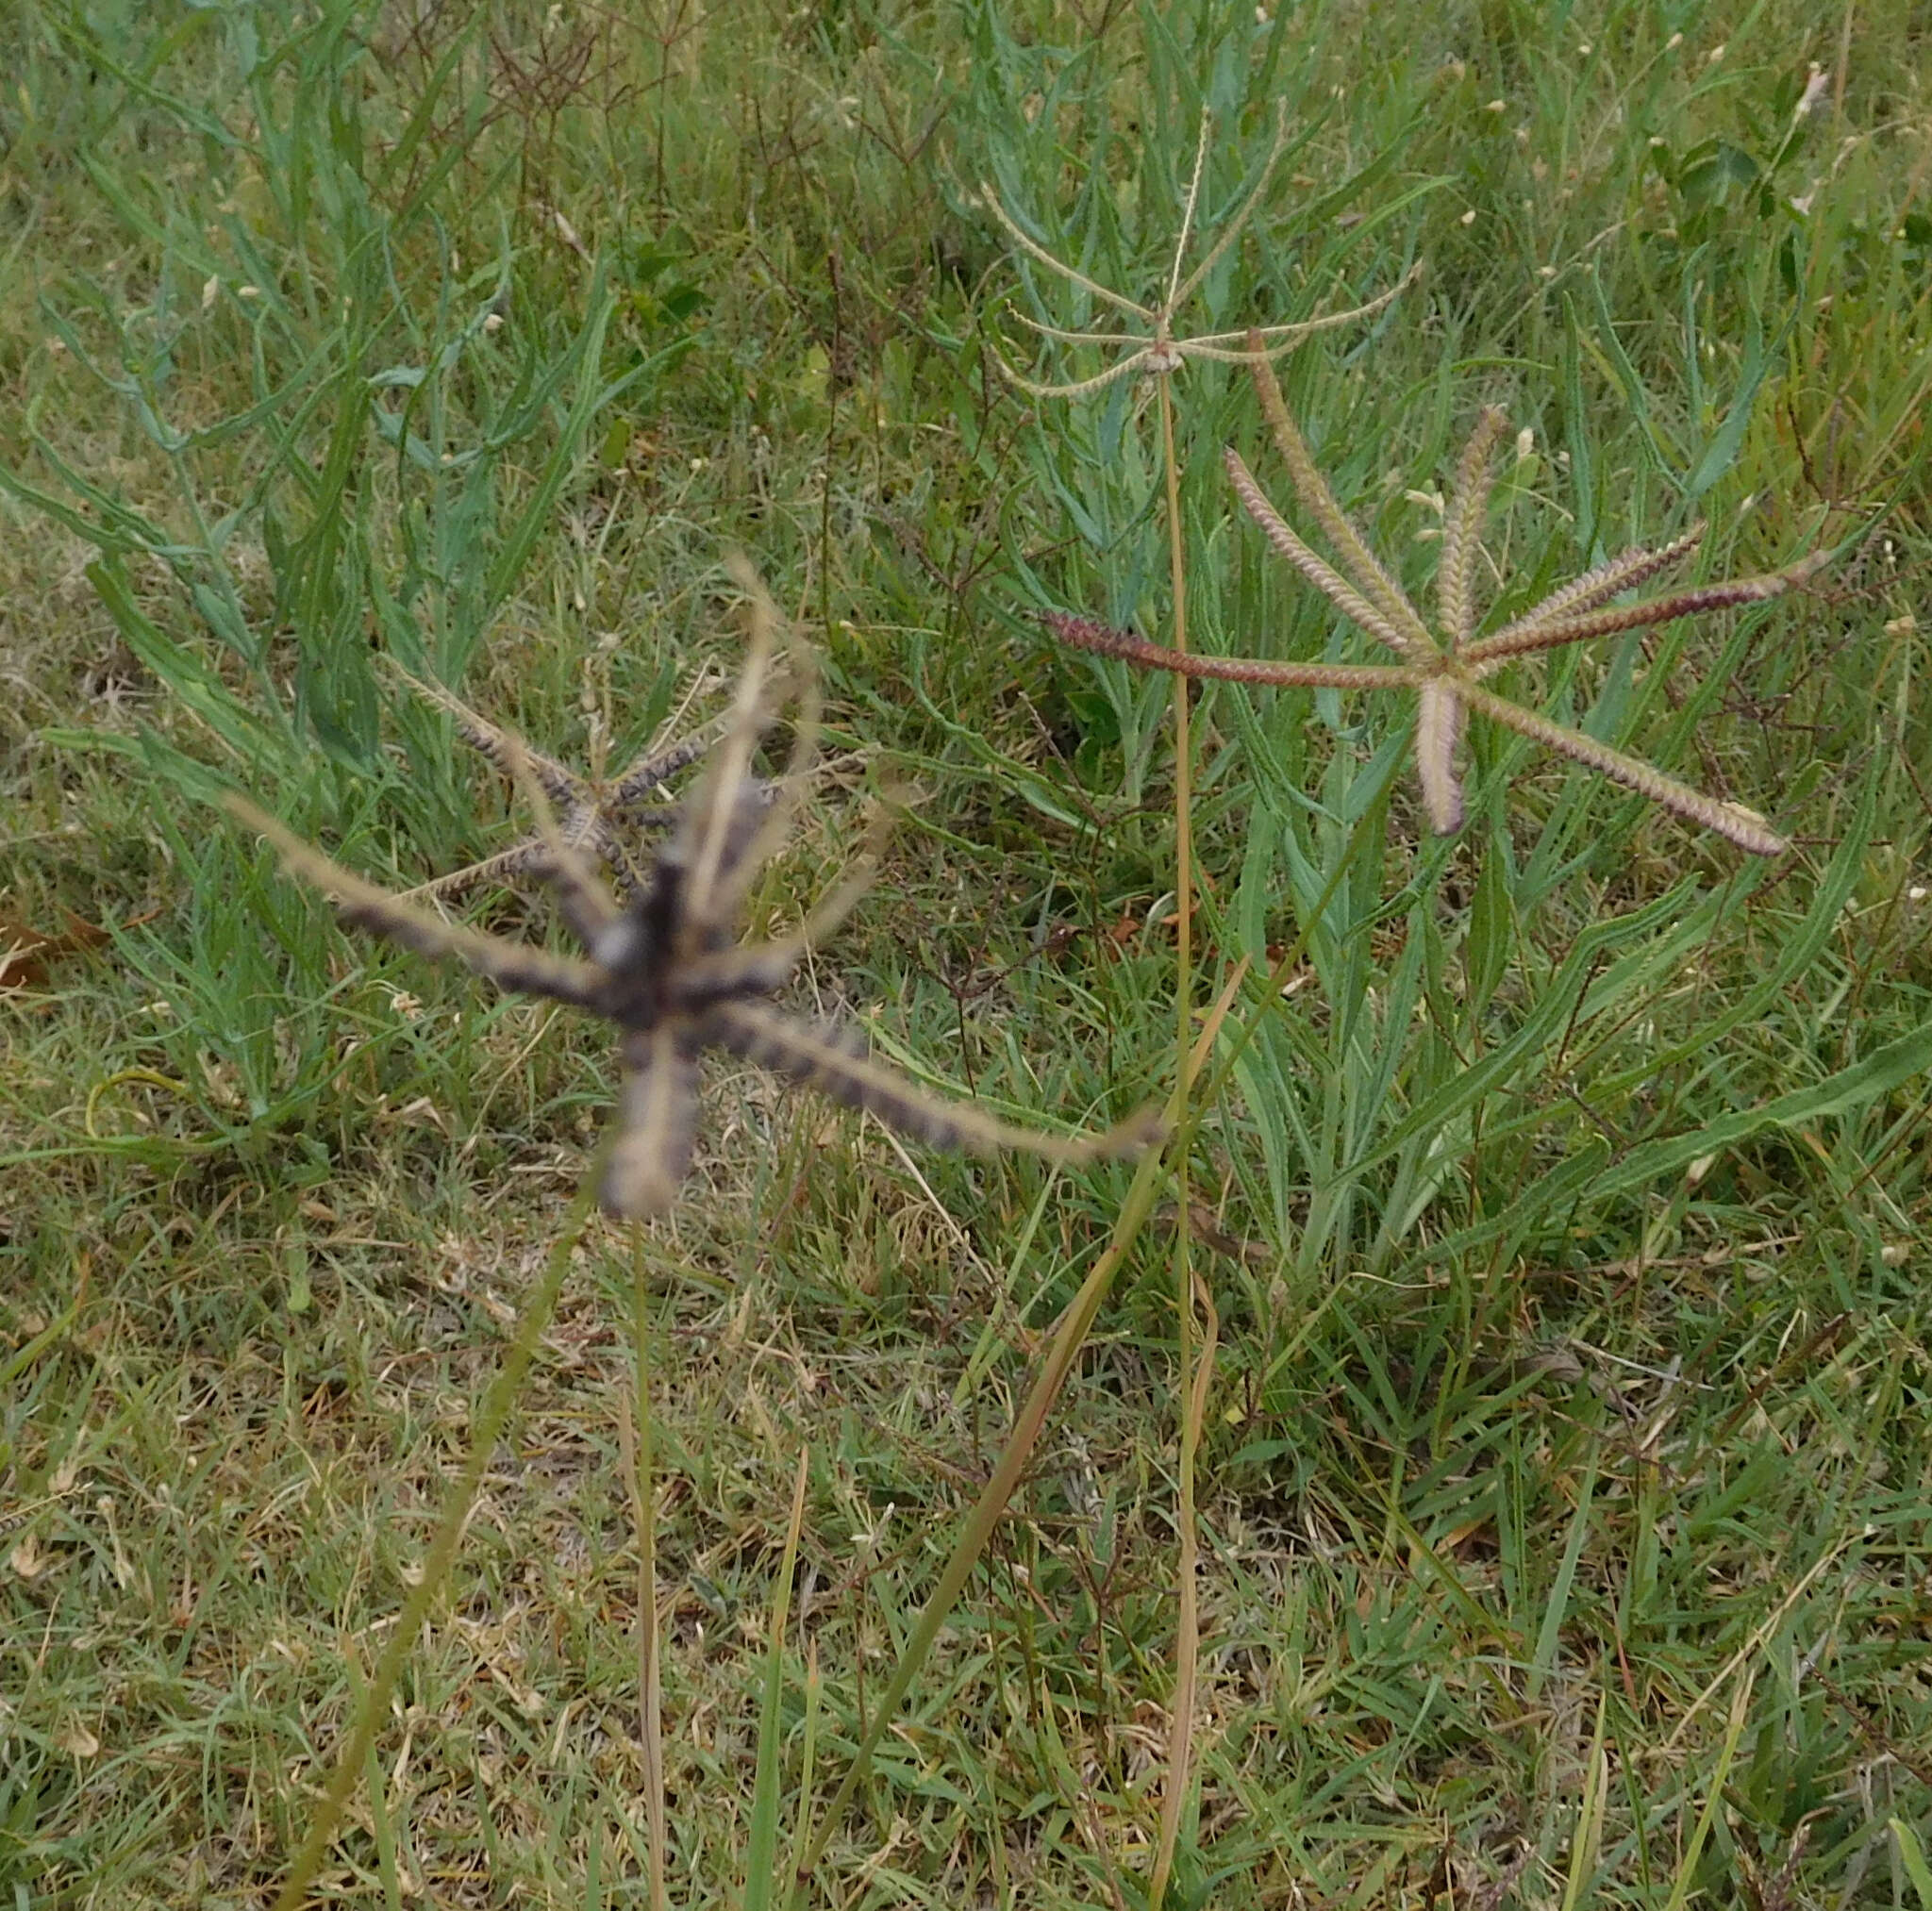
x=1531 y=1501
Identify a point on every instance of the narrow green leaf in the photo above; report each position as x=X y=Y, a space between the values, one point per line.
x=1552 y=1008
x=1721 y=452
x=1491 y=928
x=761 y=1883
x=1577 y=433
x=253 y=740
x=1607 y=347
x=1549 y=1637
x=1796 y=954
x=592 y=394
x=1685 y=1881
x=1912 y=1856
x=1864 y=1083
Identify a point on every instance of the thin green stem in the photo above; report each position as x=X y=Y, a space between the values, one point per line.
x=1182 y=773
x=442 y=1547
x=650 y=1664
x=1069 y=1338
x=987 y=1510
x=1187 y=1628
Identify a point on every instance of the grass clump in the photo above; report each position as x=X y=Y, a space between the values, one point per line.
x=1524 y=1325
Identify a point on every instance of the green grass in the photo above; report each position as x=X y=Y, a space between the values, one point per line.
x=1564 y=1485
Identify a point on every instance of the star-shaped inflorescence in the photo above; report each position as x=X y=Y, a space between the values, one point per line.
x=1448 y=668
x=665 y=966
x=597 y=815
x=1157 y=350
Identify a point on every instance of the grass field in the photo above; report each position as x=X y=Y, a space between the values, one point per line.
x=1515 y=1483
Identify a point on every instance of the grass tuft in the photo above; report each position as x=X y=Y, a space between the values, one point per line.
x=1518 y=1355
